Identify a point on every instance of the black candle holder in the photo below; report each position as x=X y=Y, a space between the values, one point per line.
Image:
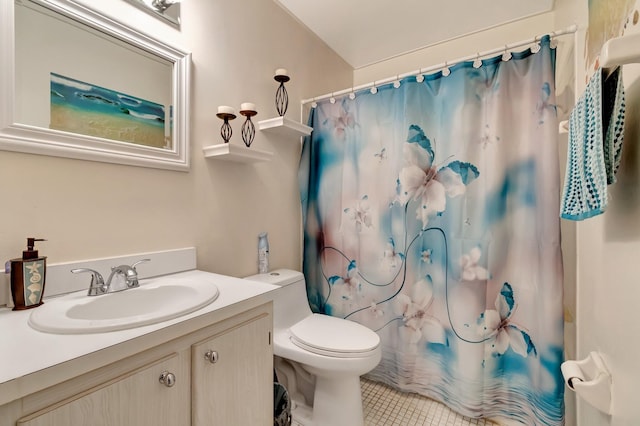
x=248 y=129
x=225 y=130
x=282 y=99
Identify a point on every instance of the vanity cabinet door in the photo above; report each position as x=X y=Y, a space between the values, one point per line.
x=137 y=398
x=232 y=376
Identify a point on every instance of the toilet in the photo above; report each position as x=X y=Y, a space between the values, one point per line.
x=318 y=358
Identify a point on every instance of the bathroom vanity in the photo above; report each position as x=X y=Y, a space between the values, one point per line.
x=213 y=366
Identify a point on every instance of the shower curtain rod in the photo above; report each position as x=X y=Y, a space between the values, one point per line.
x=569 y=30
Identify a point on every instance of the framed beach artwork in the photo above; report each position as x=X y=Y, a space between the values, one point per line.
x=85 y=108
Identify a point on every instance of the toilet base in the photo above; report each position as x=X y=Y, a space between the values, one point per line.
x=337 y=402
x=302 y=415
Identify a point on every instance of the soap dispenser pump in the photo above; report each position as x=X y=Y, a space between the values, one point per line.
x=28 y=277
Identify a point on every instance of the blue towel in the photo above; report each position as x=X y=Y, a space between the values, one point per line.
x=596 y=127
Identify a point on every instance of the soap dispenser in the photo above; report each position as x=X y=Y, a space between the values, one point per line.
x=28 y=277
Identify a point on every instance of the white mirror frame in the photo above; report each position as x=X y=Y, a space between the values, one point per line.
x=37 y=140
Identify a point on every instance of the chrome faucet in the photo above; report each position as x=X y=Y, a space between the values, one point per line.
x=127 y=273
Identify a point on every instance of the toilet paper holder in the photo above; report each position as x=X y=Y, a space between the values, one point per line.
x=589 y=379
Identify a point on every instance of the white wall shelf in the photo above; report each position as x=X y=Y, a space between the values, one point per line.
x=236 y=152
x=284 y=127
x=279 y=126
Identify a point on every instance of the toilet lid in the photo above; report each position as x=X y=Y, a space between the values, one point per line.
x=326 y=335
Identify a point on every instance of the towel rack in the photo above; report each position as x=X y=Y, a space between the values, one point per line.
x=620 y=50
x=563 y=127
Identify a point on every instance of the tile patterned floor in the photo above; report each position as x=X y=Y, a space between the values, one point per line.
x=384 y=406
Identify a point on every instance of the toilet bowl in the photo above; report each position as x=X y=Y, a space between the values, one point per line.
x=320 y=357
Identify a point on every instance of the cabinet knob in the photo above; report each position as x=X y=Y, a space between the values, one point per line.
x=167 y=379
x=211 y=356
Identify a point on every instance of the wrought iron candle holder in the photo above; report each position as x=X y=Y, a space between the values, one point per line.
x=226 y=113
x=248 y=129
x=282 y=99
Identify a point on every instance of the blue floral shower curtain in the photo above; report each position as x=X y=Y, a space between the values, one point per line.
x=430 y=215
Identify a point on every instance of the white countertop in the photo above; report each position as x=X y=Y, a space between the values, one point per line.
x=26 y=354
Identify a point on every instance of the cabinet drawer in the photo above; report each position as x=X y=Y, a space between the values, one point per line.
x=135 y=398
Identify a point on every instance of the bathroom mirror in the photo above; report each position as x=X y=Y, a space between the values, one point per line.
x=78 y=84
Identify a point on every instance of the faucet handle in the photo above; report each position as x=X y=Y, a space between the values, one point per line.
x=97 y=285
x=139 y=262
x=131 y=273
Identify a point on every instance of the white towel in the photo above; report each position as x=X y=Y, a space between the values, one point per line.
x=596 y=127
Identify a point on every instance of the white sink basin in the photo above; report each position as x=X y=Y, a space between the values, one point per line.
x=156 y=300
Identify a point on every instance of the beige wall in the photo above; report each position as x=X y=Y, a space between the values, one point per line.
x=568 y=12
x=88 y=209
x=461 y=47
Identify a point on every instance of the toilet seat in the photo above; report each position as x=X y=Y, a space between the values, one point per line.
x=335 y=337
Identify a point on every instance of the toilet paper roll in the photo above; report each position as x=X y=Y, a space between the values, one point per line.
x=571 y=372
x=590 y=380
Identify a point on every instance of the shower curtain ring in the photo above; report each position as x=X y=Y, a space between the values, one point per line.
x=374 y=89
x=536 y=45
x=332 y=99
x=477 y=63
x=352 y=95
x=506 y=55
x=446 y=71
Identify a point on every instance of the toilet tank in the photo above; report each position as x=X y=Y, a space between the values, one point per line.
x=290 y=303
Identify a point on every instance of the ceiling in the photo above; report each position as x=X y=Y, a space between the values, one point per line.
x=364 y=32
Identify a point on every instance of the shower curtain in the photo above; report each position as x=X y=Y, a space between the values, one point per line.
x=430 y=212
